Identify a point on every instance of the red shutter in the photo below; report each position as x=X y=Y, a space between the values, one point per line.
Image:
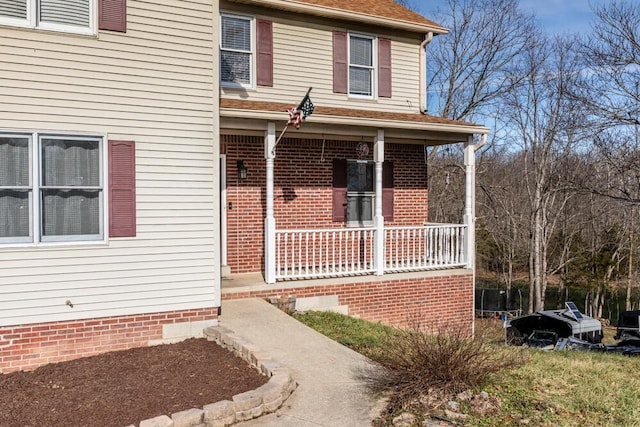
x=339 y=190
x=387 y=191
x=122 y=189
x=384 y=68
x=265 y=52
x=113 y=15
x=340 y=64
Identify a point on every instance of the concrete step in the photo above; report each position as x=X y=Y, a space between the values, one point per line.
x=321 y=303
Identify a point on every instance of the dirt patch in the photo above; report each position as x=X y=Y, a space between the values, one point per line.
x=125 y=387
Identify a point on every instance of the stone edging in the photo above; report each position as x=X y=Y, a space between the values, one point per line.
x=244 y=406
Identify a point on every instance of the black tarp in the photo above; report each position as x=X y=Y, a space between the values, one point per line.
x=525 y=325
x=628 y=325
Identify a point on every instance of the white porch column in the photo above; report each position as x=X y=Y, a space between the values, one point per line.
x=470 y=201
x=378 y=157
x=270 y=220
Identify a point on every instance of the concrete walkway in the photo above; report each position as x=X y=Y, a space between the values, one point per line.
x=328 y=392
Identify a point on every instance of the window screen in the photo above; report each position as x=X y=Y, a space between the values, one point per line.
x=13 y=9
x=360 y=66
x=361 y=51
x=360 y=192
x=235 y=52
x=67 y=12
x=236 y=33
x=15 y=189
x=359 y=176
x=70 y=187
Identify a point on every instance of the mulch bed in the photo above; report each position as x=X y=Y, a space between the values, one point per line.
x=125 y=387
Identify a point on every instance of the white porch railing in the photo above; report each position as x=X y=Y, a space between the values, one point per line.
x=305 y=254
x=427 y=247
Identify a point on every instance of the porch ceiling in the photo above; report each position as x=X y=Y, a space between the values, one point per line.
x=241 y=115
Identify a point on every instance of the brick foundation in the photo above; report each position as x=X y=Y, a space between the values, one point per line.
x=431 y=300
x=26 y=347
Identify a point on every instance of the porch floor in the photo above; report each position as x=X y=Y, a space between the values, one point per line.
x=248 y=282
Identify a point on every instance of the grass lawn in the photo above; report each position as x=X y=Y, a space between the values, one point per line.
x=552 y=389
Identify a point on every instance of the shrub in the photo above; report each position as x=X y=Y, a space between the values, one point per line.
x=438 y=363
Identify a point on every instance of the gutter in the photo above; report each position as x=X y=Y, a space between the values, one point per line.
x=423 y=71
x=359 y=121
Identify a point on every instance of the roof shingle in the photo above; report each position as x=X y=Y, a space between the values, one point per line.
x=380 y=8
x=359 y=10
x=340 y=112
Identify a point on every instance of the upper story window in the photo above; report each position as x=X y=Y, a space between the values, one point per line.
x=236 y=50
x=361 y=65
x=361 y=68
x=75 y=16
x=51 y=188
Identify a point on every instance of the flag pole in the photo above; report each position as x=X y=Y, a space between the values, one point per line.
x=273 y=151
x=287 y=126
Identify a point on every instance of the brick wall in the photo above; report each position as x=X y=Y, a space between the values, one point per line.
x=433 y=300
x=29 y=346
x=303 y=192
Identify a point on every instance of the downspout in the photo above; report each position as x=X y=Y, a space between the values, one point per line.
x=483 y=140
x=476 y=147
x=423 y=71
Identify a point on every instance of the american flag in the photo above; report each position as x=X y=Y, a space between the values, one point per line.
x=299 y=114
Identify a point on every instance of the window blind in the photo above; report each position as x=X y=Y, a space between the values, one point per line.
x=67 y=12
x=13 y=8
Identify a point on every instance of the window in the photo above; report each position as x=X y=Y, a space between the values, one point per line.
x=15 y=188
x=353 y=191
x=361 y=68
x=59 y=15
x=361 y=65
x=236 y=50
x=51 y=188
x=360 y=192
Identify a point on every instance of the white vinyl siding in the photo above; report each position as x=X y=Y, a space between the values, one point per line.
x=303 y=58
x=154 y=85
x=76 y=16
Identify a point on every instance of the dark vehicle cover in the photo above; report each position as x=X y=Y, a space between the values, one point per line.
x=628 y=327
x=564 y=323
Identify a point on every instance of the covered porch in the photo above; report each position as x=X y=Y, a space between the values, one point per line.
x=344 y=196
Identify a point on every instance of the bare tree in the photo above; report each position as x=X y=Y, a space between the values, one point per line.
x=500 y=209
x=467 y=71
x=611 y=85
x=468 y=67
x=409 y=4
x=547 y=125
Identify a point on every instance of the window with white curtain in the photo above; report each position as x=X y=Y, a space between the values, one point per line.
x=58 y=15
x=361 y=65
x=236 y=50
x=51 y=188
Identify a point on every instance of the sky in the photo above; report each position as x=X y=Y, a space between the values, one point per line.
x=555 y=16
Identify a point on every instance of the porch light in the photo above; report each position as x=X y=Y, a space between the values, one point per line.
x=242 y=169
